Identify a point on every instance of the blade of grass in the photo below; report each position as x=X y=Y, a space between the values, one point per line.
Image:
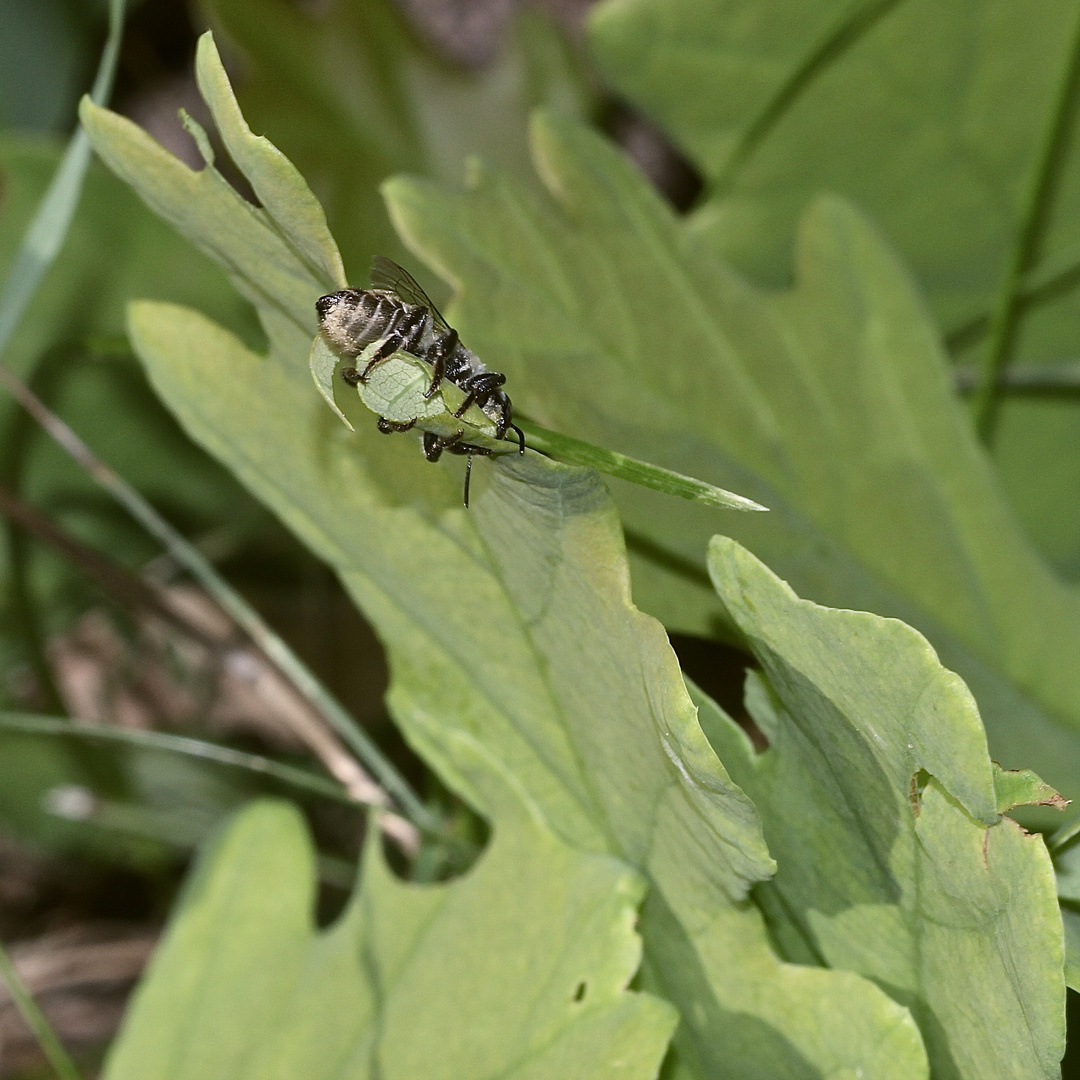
x=36 y=1020
x=290 y=775
x=855 y=24
x=1004 y=316
x=46 y=234
x=575 y=452
x=1040 y=284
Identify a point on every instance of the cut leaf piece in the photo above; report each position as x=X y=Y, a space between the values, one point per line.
x=519 y=969
x=879 y=802
x=830 y=404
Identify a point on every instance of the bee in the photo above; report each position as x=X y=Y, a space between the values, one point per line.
x=397 y=312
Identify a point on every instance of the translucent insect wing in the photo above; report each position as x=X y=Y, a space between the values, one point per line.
x=386 y=274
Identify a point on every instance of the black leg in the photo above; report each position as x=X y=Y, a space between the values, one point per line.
x=383 y=352
x=388 y=427
x=468 y=480
x=351 y=376
x=434 y=445
x=438 y=369
x=463 y=408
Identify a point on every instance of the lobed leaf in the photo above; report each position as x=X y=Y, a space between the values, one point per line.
x=518 y=657
x=830 y=404
x=931 y=117
x=516 y=654
x=881 y=806
x=517 y=970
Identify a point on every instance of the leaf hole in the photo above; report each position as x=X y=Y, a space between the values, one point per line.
x=720 y=670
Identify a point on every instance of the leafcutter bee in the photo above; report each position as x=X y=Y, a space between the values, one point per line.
x=398 y=313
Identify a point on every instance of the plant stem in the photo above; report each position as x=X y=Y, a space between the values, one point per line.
x=1003 y=317
x=36 y=1020
x=852 y=28
x=290 y=775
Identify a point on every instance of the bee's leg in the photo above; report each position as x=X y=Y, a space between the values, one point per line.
x=351 y=376
x=388 y=427
x=434 y=445
x=387 y=349
x=438 y=370
x=463 y=408
x=468 y=481
x=479 y=389
x=438 y=354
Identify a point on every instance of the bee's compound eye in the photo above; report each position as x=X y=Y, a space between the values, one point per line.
x=325 y=304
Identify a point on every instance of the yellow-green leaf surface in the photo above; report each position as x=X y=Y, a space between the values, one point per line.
x=881 y=806
x=517 y=656
x=830 y=404
x=936 y=119
x=517 y=970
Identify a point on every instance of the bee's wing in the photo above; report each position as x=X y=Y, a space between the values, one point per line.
x=386 y=274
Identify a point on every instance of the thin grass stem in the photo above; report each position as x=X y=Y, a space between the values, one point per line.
x=36 y=1020
x=1004 y=317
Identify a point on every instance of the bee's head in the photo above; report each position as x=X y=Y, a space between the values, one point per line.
x=325 y=304
x=336 y=312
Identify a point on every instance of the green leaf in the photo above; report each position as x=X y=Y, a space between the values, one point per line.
x=518 y=969
x=830 y=404
x=517 y=657
x=510 y=634
x=352 y=96
x=880 y=804
x=256 y=246
x=290 y=207
x=1021 y=787
x=932 y=118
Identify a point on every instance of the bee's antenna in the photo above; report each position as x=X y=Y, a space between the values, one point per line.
x=521 y=437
